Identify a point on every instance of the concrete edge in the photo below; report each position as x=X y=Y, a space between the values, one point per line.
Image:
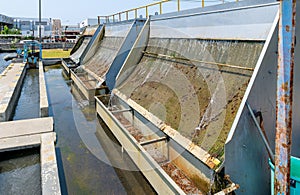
x=44 y=105
x=49 y=170
x=26 y=127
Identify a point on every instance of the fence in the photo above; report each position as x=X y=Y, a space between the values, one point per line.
x=118 y=16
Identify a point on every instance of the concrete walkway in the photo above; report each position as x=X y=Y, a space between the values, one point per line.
x=15 y=135
x=10 y=87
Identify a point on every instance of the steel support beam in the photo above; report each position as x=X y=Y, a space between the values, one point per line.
x=284 y=102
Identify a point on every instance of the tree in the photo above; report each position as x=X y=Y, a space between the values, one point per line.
x=5 y=30
x=12 y=31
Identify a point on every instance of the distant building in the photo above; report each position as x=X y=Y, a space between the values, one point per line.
x=71 y=32
x=56 y=27
x=56 y=30
x=30 y=26
x=88 y=22
x=5 y=20
x=50 y=28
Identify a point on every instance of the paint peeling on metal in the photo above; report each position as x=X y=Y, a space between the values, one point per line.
x=286 y=43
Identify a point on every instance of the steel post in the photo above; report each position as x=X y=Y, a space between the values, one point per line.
x=284 y=102
x=40 y=21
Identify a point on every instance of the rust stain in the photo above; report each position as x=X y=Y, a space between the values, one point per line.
x=210 y=162
x=285 y=145
x=285 y=86
x=287 y=28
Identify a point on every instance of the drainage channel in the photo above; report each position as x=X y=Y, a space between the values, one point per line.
x=90 y=161
x=28 y=103
x=20 y=171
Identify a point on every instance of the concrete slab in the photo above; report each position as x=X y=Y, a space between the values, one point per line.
x=44 y=105
x=49 y=170
x=10 y=88
x=20 y=142
x=25 y=127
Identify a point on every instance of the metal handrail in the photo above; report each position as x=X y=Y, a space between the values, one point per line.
x=135 y=10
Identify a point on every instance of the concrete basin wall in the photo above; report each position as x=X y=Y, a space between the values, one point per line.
x=44 y=105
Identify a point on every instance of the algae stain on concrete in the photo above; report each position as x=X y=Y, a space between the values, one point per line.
x=161 y=80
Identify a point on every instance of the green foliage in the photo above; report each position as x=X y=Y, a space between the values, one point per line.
x=7 y=31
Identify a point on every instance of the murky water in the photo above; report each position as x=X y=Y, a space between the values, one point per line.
x=29 y=101
x=20 y=172
x=3 y=63
x=83 y=149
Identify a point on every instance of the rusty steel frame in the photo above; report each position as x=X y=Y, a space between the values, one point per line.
x=284 y=101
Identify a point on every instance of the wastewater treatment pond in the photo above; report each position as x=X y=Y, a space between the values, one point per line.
x=90 y=160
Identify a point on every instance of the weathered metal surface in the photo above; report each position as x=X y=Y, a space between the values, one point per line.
x=286 y=46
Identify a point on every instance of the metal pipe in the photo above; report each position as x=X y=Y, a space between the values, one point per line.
x=152 y=141
x=120 y=17
x=202 y=3
x=126 y=15
x=146 y=11
x=178 y=5
x=40 y=20
x=284 y=102
x=262 y=135
x=199 y=61
x=135 y=13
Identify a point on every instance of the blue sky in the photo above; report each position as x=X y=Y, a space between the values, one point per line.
x=74 y=11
